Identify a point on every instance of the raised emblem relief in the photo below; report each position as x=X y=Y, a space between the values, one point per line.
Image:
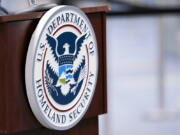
x=62 y=68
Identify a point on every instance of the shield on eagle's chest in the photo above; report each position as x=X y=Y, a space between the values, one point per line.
x=65 y=73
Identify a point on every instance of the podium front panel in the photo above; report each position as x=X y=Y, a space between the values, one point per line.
x=16 y=116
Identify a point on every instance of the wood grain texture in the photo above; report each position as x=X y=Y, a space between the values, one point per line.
x=15 y=112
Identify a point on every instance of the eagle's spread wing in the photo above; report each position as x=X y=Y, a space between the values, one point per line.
x=79 y=61
x=53 y=45
x=78 y=73
x=79 y=43
x=53 y=53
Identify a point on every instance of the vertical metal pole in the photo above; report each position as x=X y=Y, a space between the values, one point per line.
x=161 y=113
x=161 y=88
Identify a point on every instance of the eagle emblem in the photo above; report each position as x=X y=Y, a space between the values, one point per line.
x=66 y=70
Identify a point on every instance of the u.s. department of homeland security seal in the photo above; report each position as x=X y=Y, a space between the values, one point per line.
x=61 y=67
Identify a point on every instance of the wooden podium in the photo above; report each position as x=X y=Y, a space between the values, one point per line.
x=16 y=117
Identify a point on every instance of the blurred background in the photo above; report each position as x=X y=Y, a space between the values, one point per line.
x=143 y=56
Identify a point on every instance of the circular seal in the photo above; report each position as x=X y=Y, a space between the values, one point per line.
x=61 y=67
